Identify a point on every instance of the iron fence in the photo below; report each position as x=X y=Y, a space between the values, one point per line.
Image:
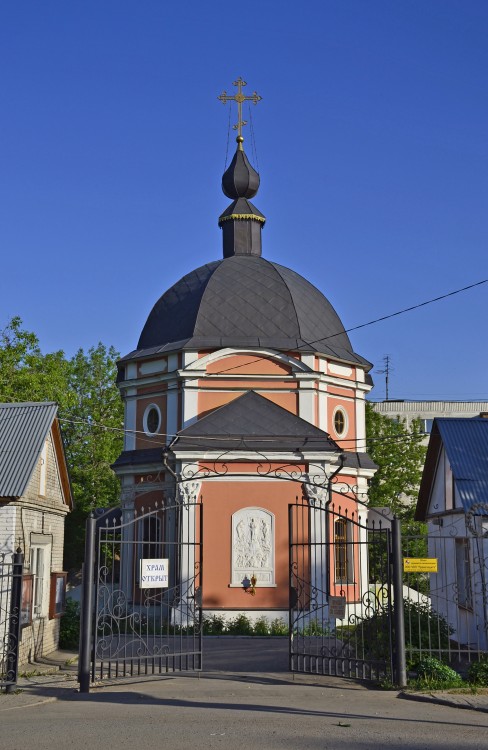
x=446 y=612
x=10 y=617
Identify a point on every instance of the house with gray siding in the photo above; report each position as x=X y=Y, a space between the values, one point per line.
x=35 y=496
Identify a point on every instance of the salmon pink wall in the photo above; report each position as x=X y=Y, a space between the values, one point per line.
x=347 y=440
x=222 y=499
x=143 y=440
x=237 y=364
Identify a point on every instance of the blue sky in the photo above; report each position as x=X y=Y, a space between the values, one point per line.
x=372 y=144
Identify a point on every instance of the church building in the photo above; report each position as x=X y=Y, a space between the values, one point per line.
x=244 y=393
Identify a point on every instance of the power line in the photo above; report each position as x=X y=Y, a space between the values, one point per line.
x=404 y=310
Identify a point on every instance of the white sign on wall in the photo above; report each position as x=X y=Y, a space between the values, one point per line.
x=154 y=574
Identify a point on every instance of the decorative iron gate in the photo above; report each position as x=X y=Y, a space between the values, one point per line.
x=10 y=617
x=142 y=605
x=341 y=594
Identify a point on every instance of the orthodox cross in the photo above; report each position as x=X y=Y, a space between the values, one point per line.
x=239 y=98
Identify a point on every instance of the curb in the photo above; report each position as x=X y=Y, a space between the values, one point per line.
x=443 y=701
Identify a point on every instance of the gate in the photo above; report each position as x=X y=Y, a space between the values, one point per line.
x=141 y=609
x=10 y=617
x=342 y=580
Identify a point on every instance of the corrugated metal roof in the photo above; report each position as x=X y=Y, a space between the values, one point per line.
x=466 y=444
x=23 y=430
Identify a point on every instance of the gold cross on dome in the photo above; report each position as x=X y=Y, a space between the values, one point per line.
x=239 y=98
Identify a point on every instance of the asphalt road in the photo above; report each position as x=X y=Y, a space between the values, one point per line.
x=235 y=711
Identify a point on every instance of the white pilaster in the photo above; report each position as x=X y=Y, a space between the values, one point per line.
x=323 y=404
x=130 y=408
x=190 y=403
x=172 y=410
x=306 y=402
x=360 y=421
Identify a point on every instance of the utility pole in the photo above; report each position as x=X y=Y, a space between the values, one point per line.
x=386 y=372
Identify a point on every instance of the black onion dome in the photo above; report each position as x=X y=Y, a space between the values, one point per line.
x=240 y=180
x=245 y=301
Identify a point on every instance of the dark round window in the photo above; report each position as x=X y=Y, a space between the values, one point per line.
x=152 y=420
x=339 y=422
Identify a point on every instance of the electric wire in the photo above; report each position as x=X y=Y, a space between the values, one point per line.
x=152 y=440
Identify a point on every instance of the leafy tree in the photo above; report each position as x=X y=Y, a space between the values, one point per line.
x=92 y=429
x=84 y=387
x=25 y=373
x=400 y=456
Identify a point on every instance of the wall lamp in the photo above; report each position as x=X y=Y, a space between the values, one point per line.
x=249 y=585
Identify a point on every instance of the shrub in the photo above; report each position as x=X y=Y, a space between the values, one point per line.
x=240 y=625
x=261 y=626
x=478 y=672
x=69 y=627
x=278 y=627
x=433 y=673
x=214 y=625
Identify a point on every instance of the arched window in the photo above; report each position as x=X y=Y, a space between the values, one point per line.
x=343 y=556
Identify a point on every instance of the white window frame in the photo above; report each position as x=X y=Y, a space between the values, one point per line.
x=462 y=562
x=145 y=417
x=40 y=568
x=341 y=410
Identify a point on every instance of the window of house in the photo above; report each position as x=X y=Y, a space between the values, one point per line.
x=343 y=551
x=38 y=567
x=427 y=425
x=463 y=574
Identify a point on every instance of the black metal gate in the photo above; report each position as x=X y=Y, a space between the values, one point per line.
x=142 y=610
x=341 y=594
x=10 y=617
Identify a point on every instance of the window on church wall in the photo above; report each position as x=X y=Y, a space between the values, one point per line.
x=151 y=420
x=340 y=421
x=253 y=547
x=150 y=546
x=343 y=551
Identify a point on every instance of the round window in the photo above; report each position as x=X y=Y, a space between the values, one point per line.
x=152 y=419
x=340 y=422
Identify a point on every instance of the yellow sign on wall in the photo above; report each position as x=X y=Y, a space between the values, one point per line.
x=420 y=564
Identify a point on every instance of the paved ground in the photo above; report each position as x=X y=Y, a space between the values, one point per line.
x=239 y=708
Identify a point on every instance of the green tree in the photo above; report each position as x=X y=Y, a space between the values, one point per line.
x=92 y=429
x=90 y=411
x=400 y=456
x=26 y=374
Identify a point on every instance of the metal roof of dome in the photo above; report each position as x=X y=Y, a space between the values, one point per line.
x=245 y=301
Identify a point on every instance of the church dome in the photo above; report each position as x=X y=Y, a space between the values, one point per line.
x=243 y=300
x=246 y=301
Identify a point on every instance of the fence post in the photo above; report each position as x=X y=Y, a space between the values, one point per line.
x=400 y=663
x=14 y=623
x=87 y=605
